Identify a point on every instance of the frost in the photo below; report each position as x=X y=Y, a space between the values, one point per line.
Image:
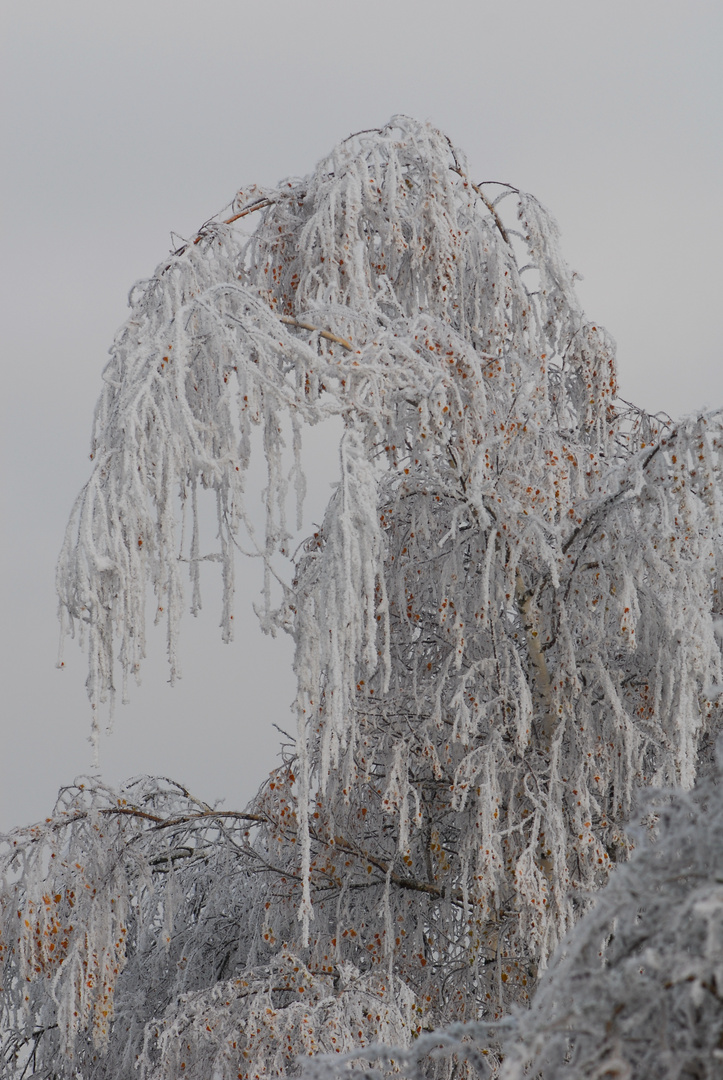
x=505 y=626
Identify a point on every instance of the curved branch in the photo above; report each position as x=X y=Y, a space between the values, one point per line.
x=290 y=321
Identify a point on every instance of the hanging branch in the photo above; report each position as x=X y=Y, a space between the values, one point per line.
x=477 y=706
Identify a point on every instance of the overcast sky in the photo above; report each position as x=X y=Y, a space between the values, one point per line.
x=123 y=122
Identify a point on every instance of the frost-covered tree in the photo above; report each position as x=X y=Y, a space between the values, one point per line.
x=634 y=991
x=637 y=990
x=504 y=626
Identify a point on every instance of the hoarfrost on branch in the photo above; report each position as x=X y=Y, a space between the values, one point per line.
x=503 y=628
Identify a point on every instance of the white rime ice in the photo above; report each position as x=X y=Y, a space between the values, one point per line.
x=504 y=627
x=637 y=989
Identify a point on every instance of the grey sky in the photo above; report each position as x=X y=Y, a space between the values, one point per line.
x=123 y=122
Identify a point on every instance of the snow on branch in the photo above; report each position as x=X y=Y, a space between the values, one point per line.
x=637 y=987
x=505 y=627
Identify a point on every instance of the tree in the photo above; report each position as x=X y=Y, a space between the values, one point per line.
x=637 y=990
x=634 y=990
x=504 y=625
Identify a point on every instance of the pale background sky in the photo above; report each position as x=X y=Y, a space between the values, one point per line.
x=123 y=121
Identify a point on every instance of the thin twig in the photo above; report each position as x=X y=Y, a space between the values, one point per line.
x=290 y=321
x=260 y=204
x=488 y=203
